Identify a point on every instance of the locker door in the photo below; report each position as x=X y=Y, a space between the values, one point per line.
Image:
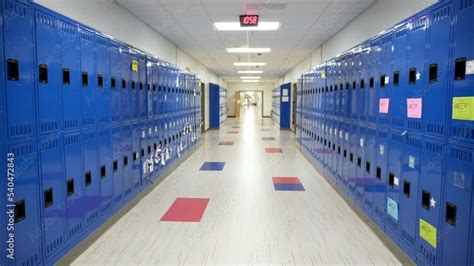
x=136 y=166
x=102 y=80
x=115 y=83
x=127 y=159
x=385 y=82
x=400 y=79
x=353 y=142
x=381 y=175
x=91 y=177
x=353 y=59
x=19 y=84
x=89 y=92
x=457 y=207
x=135 y=86
x=361 y=70
x=71 y=76
x=375 y=87
x=409 y=192
x=48 y=70
x=438 y=76
x=150 y=66
x=369 y=169
x=159 y=104
x=26 y=221
x=117 y=162
x=105 y=169
x=125 y=84
x=416 y=42
x=429 y=200
x=143 y=154
x=75 y=186
x=53 y=194
x=143 y=87
x=359 y=158
x=393 y=184
x=462 y=125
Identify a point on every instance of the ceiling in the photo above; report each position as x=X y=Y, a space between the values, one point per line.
x=305 y=25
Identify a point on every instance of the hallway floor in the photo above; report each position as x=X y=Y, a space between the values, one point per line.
x=245 y=220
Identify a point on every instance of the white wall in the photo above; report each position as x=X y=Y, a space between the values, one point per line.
x=108 y=17
x=266 y=88
x=377 y=18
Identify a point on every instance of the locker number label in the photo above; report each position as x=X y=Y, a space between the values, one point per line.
x=134 y=66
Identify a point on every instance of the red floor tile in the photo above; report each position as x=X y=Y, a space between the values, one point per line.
x=286 y=180
x=233 y=132
x=273 y=150
x=186 y=210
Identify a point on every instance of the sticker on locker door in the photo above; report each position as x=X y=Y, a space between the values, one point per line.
x=428 y=233
x=414 y=107
x=134 y=66
x=382 y=149
x=411 y=162
x=463 y=108
x=384 y=105
x=387 y=80
x=392 y=208
x=470 y=67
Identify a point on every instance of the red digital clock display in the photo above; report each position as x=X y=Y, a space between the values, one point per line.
x=249 y=20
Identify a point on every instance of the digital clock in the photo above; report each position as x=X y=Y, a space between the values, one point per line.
x=248 y=20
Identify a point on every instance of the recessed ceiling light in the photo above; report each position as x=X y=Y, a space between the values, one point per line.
x=249 y=64
x=250 y=80
x=250 y=77
x=235 y=26
x=248 y=50
x=250 y=72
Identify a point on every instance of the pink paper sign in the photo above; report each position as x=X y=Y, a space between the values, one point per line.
x=383 y=105
x=414 y=107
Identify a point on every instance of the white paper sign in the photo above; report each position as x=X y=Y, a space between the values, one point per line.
x=411 y=161
x=395 y=181
x=362 y=142
x=387 y=80
x=285 y=99
x=285 y=92
x=382 y=149
x=470 y=67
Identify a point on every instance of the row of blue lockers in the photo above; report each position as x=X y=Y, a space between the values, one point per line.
x=62 y=76
x=281 y=105
x=217 y=105
x=87 y=123
x=416 y=76
x=390 y=122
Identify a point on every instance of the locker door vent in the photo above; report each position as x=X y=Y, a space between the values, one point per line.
x=68 y=28
x=48 y=144
x=401 y=33
x=103 y=133
x=53 y=245
x=428 y=255
x=102 y=41
x=21 y=150
x=442 y=14
x=466 y=133
x=461 y=155
x=434 y=147
x=414 y=142
x=70 y=140
x=16 y=8
x=89 y=136
x=45 y=20
x=435 y=128
x=419 y=24
x=466 y=4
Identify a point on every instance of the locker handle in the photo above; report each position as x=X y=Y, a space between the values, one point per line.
x=133 y=85
x=451 y=214
x=70 y=187
x=43 y=73
x=48 y=198
x=66 y=76
x=406 y=188
x=88 y=177
x=115 y=166
x=125 y=161
x=135 y=156
x=112 y=83
x=13 y=70
x=412 y=76
x=382 y=81
x=391 y=179
x=20 y=211
x=425 y=199
x=367 y=167
x=85 y=79
x=460 y=69
x=396 y=78
x=100 y=81
x=351 y=157
x=378 y=174
x=103 y=172
x=124 y=84
x=141 y=86
x=433 y=73
x=359 y=162
x=362 y=84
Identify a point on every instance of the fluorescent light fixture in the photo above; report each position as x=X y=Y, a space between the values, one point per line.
x=250 y=80
x=250 y=72
x=251 y=77
x=248 y=50
x=235 y=26
x=249 y=64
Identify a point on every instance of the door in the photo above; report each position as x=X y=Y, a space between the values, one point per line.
x=237 y=104
x=293 y=107
x=203 y=107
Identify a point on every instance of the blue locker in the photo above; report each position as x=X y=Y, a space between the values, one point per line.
x=136 y=164
x=353 y=93
x=127 y=156
x=395 y=151
x=105 y=168
x=143 y=154
x=353 y=147
x=117 y=150
x=142 y=65
x=457 y=209
x=359 y=157
x=19 y=83
x=28 y=236
x=409 y=192
x=125 y=83
x=436 y=62
x=48 y=70
x=115 y=83
x=360 y=71
x=150 y=96
x=91 y=177
x=75 y=187
x=51 y=167
x=214 y=106
x=159 y=101
x=371 y=186
x=371 y=83
x=346 y=165
x=416 y=67
x=429 y=204
x=135 y=85
x=381 y=176
x=339 y=150
x=384 y=80
x=71 y=80
x=462 y=126
x=88 y=73
x=104 y=94
x=398 y=99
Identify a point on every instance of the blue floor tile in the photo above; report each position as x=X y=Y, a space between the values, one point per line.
x=212 y=166
x=288 y=187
